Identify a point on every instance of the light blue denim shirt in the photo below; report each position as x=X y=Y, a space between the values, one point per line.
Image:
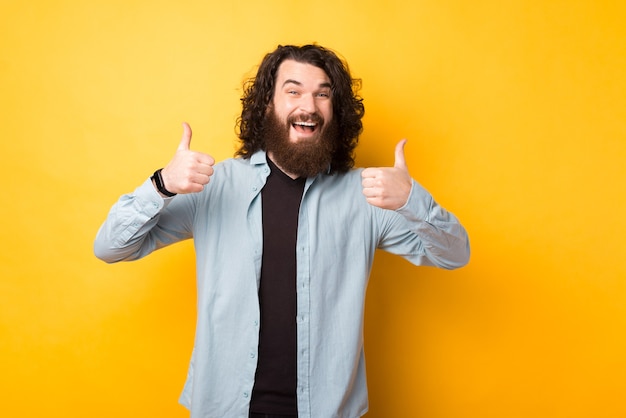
x=338 y=234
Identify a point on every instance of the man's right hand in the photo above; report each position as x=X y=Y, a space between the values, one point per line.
x=188 y=171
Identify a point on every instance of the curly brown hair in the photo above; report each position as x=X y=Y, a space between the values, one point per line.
x=348 y=106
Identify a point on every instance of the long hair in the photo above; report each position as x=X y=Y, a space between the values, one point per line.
x=348 y=106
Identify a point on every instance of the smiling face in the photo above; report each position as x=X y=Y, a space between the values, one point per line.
x=300 y=134
x=302 y=100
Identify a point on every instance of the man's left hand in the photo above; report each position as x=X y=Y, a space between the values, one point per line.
x=388 y=187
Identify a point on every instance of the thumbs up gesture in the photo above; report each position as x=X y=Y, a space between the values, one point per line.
x=189 y=171
x=388 y=187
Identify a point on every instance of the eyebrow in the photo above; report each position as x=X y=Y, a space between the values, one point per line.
x=297 y=83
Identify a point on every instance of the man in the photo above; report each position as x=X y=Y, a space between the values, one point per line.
x=285 y=236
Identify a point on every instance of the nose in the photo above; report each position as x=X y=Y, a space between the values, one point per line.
x=307 y=103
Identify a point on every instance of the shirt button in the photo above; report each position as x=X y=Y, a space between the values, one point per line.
x=252 y=355
x=245 y=394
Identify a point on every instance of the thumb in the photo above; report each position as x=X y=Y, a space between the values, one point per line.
x=400 y=162
x=186 y=139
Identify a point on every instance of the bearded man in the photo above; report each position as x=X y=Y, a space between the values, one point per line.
x=285 y=235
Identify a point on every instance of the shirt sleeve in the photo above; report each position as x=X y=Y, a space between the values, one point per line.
x=432 y=235
x=141 y=222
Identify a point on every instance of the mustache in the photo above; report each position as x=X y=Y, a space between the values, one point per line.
x=306 y=117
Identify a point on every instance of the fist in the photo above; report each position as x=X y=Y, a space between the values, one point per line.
x=189 y=171
x=388 y=187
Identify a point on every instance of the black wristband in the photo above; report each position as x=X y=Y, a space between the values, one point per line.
x=158 y=181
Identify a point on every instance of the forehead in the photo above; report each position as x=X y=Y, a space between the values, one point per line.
x=301 y=73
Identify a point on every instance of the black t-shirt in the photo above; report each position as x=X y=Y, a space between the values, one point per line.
x=276 y=377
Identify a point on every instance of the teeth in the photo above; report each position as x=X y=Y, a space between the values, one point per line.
x=305 y=124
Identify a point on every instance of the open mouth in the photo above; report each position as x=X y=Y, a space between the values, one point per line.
x=304 y=127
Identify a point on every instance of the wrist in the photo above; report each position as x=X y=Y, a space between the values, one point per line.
x=157 y=180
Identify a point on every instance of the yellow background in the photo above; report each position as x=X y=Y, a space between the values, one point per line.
x=516 y=118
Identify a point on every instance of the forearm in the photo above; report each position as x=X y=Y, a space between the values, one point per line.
x=130 y=232
x=445 y=241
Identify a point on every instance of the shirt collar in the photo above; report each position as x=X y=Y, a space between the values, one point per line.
x=258 y=158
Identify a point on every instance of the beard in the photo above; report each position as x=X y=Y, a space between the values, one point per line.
x=305 y=158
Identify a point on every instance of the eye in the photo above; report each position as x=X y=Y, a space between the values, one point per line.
x=323 y=94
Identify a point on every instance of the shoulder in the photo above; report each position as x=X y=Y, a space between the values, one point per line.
x=241 y=164
x=350 y=177
x=230 y=167
x=342 y=187
x=234 y=175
